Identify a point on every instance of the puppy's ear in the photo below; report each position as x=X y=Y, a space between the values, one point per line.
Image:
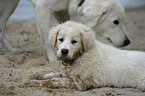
x=88 y=39
x=53 y=36
x=95 y=14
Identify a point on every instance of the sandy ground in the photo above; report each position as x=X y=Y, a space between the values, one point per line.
x=15 y=68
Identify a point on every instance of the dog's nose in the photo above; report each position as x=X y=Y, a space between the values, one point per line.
x=126 y=42
x=64 y=51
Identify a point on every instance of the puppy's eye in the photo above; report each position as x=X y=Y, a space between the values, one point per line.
x=116 y=22
x=73 y=41
x=61 y=40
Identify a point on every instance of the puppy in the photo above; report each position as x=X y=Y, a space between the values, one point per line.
x=90 y=63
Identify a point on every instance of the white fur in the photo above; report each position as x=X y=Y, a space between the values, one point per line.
x=98 y=65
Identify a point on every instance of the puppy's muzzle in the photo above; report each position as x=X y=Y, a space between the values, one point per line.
x=64 y=51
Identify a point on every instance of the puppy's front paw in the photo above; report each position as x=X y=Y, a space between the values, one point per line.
x=34 y=80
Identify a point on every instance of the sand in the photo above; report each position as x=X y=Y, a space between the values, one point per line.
x=14 y=69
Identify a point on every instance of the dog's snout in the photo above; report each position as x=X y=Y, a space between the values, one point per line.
x=64 y=51
x=126 y=42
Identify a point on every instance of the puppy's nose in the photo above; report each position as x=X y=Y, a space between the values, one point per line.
x=64 y=51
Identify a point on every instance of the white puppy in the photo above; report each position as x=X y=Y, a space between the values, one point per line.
x=106 y=17
x=90 y=63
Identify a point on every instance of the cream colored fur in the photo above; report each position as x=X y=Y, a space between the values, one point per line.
x=98 y=65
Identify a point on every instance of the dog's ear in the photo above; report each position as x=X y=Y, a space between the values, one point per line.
x=53 y=36
x=95 y=14
x=88 y=39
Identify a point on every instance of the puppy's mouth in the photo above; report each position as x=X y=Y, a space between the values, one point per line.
x=69 y=60
x=66 y=61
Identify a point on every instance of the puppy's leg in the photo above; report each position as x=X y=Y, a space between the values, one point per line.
x=52 y=80
x=6 y=9
x=56 y=80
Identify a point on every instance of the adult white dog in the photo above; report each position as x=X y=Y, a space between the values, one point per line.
x=90 y=63
x=106 y=17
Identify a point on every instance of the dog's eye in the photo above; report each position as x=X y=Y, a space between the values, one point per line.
x=61 y=39
x=73 y=41
x=116 y=22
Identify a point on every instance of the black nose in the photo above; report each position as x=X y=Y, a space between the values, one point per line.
x=64 y=51
x=126 y=42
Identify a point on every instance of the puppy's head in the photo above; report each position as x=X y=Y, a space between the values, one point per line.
x=71 y=40
x=107 y=17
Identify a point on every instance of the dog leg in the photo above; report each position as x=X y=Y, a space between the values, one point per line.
x=50 y=83
x=6 y=9
x=52 y=80
x=43 y=18
x=57 y=80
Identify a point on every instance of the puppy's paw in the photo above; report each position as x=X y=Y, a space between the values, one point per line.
x=34 y=80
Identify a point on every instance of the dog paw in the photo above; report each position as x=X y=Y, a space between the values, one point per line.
x=34 y=80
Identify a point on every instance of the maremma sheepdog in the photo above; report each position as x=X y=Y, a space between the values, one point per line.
x=90 y=63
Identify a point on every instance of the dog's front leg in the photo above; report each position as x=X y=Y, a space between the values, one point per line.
x=56 y=80
x=57 y=83
x=52 y=80
x=43 y=14
x=6 y=9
